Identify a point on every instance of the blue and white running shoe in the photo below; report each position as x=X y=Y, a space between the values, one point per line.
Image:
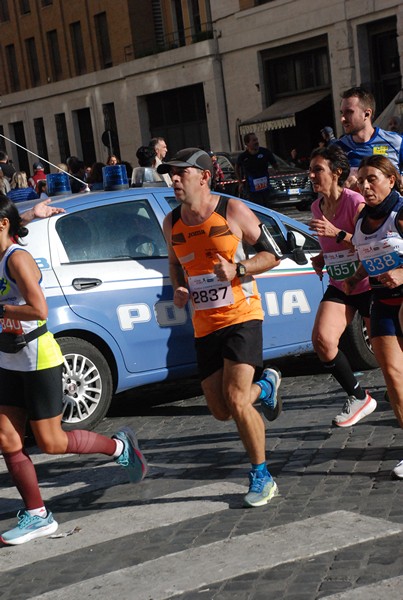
x=262 y=488
x=29 y=528
x=131 y=458
x=270 y=398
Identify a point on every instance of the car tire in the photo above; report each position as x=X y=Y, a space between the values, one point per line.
x=87 y=384
x=356 y=345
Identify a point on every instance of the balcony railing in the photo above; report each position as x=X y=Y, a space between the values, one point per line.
x=172 y=40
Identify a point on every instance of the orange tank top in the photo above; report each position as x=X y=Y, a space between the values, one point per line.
x=216 y=304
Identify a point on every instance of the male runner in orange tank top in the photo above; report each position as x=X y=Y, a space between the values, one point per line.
x=208 y=265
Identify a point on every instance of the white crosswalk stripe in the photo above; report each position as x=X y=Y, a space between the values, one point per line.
x=389 y=589
x=125 y=520
x=198 y=567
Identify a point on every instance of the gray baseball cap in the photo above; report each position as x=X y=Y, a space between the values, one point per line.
x=188 y=157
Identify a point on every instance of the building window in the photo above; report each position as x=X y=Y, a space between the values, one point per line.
x=300 y=72
x=33 y=65
x=179 y=33
x=384 y=63
x=179 y=116
x=25 y=7
x=62 y=136
x=41 y=139
x=104 y=47
x=4 y=14
x=54 y=55
x=78 y=48
x=11 y=61
x=194 y=11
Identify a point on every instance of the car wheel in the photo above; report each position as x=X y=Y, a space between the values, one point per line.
x=87 y=384
x=356 y=345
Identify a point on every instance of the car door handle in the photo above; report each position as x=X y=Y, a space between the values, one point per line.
x=85 y=283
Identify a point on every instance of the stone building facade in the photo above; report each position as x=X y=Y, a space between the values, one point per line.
x=197 y=72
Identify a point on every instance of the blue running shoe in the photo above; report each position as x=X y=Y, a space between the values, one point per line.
x=270 y=398
x=131 y=458
x=29 y=528
x=262 y=488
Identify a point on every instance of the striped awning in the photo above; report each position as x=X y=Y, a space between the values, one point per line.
x=282 y=113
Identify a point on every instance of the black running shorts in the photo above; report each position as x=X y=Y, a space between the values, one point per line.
x=40 y=393
x=242 y=343
x=360 y=302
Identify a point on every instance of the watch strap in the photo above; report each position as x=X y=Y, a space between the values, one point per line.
x=340 y=236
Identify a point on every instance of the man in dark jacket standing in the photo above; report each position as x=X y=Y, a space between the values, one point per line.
x=253 y=166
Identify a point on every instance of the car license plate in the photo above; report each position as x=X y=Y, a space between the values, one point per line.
x=293 y=191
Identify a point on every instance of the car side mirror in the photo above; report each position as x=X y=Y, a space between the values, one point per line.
x=295 y=244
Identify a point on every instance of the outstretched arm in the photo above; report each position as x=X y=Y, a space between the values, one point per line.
x=42 y=210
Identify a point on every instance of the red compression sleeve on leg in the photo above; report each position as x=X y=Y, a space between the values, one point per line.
x=23 y=474
x=88 y=442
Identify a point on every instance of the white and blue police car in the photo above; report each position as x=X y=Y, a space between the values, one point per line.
x=105 y=268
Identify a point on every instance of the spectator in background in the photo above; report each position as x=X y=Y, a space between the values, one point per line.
x=95 y=178
x=129 y=168
x=395 y=124
x=161 y=150
x=217 y=177
x=76 y=168
x=112 y=160
x=253 y=166
x=4 y=183
x=296 y=161
x=20 y=190
x=38 y=175
x=42 y=190
x=147 y=157
x=146 y=172
x=160 y=147
x=62 y=167
x=328 y=135
x=7 y=166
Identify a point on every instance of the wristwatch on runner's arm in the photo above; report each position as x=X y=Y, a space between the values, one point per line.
x=240 y=270
x=340 y=236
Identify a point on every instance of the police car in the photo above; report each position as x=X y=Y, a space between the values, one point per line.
x=105 y=268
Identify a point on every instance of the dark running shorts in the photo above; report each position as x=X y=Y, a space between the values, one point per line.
x=360 y=302
x=241 y=343
x=385 y=319
x=39 y=392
